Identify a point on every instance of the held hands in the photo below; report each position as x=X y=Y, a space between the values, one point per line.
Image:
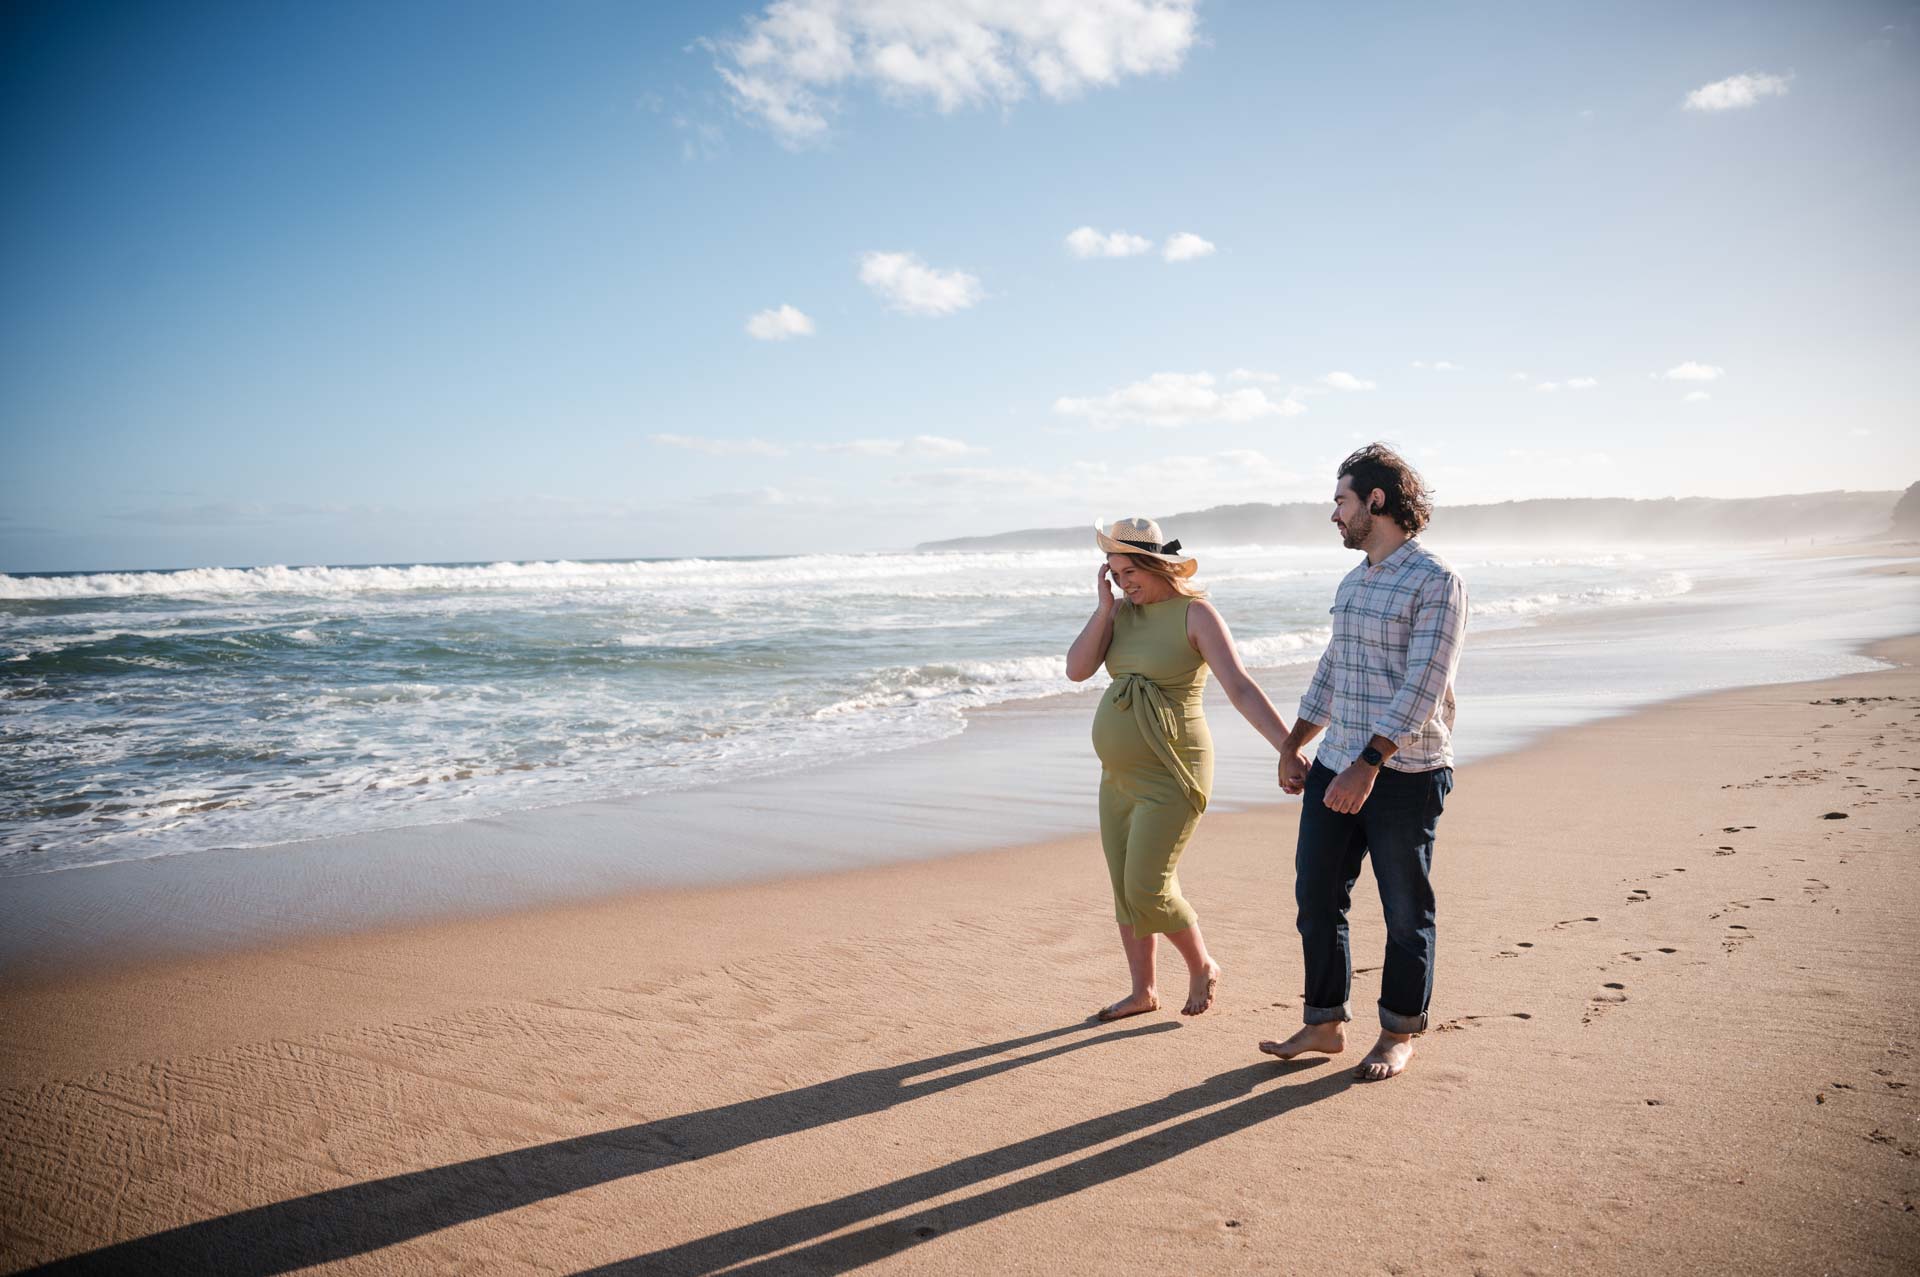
x=1348 y=792
x=1293 y=770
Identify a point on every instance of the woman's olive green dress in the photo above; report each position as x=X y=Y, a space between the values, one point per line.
x=1156 y=762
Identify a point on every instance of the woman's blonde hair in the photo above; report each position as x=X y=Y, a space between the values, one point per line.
x=1164 y=570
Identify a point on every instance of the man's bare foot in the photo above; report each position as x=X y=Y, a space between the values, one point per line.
x=1133 y=1004
x=1387 y=1059
x=1200 y=987
x=1328 y=1039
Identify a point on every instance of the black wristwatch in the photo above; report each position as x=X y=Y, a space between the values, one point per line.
x=1372 y=757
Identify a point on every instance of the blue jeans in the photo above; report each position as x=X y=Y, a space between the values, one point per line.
x=1395 y=826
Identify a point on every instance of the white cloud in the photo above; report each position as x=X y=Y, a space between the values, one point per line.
x=1101 y=488
x=1548 y=386
x=1087 y=242
x=1178 y=399
x=762 y=497
x=1521 y=376
x=1860 y=432
x=779 y=324
x=794 y=58
x=919 y=446
x=912 y=287
x=1697 y=396
x=1691 y=371
x=998 y=479
x=721 y=447
x=941 y=446
x=1186 y=246
x=1737 y=91
x=1248 y=374
x=1581 y=383
x=1345 y=381
x=1438 y=365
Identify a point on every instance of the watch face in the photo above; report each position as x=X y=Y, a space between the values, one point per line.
x=1372 y=756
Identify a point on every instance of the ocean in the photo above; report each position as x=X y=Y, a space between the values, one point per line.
x=165 y=713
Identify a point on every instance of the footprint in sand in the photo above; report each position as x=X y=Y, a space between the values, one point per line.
x=1468 y=1021
x=1611 y=995
x=1640 y=896
x=1573 y=922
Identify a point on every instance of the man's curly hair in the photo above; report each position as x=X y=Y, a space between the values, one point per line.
x=1409 y=502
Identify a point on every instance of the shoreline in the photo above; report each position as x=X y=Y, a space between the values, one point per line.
x=886 y=1066
x=1022 y=780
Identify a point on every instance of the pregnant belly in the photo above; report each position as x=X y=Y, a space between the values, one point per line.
x=1119 y=743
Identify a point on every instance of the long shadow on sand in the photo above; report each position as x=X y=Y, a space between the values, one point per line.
x=342 y=1222
x=764 y=1247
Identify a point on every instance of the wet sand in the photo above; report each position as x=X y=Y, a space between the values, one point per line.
x=1675 y=1030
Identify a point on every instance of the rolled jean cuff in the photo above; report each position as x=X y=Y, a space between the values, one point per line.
x=1327 y=1015
x=1394 y=1022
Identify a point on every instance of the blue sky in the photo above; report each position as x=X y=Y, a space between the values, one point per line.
x=373 y=283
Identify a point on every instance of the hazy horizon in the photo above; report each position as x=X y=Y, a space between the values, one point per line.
x=468 y=283
x=1560 y=532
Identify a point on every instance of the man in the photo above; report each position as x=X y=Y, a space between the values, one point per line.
x=1384 y=695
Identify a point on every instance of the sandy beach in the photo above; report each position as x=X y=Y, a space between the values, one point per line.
x=1675 y=1030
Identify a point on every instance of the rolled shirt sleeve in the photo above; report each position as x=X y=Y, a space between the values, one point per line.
x=1438 y=630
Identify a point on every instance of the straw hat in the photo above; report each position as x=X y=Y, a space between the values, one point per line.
x=1142 y=536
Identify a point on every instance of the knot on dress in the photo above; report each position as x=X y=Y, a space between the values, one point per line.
x=1159 y=725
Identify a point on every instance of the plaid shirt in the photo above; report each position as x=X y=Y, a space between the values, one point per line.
x=1397 y=630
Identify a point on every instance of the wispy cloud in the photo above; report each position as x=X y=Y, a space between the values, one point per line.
x=1338 y=380
x=1691 y=371
x=1185 y=246
x=1737 y=91
x=1582 y=383
x=750 y=497
x=917 y=446
x=794 y=60
x=230 y=513
x=1178 y=399
x=1166 y=481
x=721 y=447
x=1087 y=242
x=779 y=324
x=1696 y=396
x=912 y=287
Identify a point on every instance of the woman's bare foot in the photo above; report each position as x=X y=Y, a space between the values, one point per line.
x=1387 y=1059
x=1132 y=1004
x=1328 y=1039
x=1200 y=987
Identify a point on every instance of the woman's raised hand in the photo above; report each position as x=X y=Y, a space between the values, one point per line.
x=1103 y=588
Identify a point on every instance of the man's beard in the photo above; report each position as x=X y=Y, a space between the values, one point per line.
x=1355 y=533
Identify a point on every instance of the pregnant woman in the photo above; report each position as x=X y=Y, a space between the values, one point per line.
x=1156 y=756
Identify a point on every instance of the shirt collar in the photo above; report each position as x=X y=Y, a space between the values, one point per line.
x=1405 y=551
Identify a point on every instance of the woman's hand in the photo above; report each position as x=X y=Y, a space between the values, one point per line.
x=1105 y=599
x=1293 y=768
x=1090 y=649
